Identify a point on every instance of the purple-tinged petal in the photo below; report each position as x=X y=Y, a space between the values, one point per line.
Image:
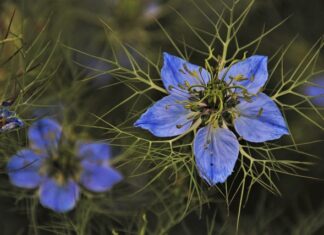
x=216 y=151
x=11 y=124
x=94 y=151
x=23 y=169
x=5 y=113
x=177 y=71
x=59 y=197
x=254 y=71
x=98 y=178
x=166 y=118
x=44 y=134
x=259 y=120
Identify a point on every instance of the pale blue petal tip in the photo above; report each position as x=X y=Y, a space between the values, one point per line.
x=253 y=69
x=97 y=175
x=94 y=150
x=166 y=118
x=60 y=198
x=23 y=169
x=99 y=178
x=44 y=134
x=260 y=120
x=177 y=71
x=216 y=152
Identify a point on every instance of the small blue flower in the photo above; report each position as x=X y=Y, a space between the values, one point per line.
x=218 y=103
x=316 y=90
x=59 y=172
x=9 y=120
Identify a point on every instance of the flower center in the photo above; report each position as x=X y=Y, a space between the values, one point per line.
x=214 y=102
x=62 y=165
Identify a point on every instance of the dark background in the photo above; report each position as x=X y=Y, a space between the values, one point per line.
x=298 y=210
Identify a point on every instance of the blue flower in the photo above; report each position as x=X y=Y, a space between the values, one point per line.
x=218 y=103
x=316 y=91
x=9 y=120
x=59 y=172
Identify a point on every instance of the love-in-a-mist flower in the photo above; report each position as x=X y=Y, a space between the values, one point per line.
x=59 y=170
x=216 y=102
x=9 y=120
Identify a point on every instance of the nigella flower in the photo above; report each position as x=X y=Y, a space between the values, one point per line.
x=316 y=90
x=8 y=119
x=218 y=103
x=58 y=170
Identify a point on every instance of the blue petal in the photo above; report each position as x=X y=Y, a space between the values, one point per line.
x=98 y=177
x=316 y=91
x=12 y=123
x=44 y=134
x=23 y=169
x=254 y=69
x=59 y=197
x=259 y=120
x=163 y=117
x=216 y=151
x=94 y=151
x=177 y=71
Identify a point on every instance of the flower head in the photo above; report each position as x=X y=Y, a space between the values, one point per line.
x=59 y=171
x=219 y=103
x=8 y=119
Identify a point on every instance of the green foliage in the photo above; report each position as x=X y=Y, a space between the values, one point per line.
x=53 y=73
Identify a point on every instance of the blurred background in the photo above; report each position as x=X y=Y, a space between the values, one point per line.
x=60 y=47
